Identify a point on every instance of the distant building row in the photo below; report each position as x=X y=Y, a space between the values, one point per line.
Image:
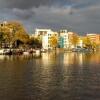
x=65 y=39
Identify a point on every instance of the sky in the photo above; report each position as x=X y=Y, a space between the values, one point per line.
x=82 y=16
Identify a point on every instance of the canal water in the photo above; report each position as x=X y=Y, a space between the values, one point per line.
x=52 y=76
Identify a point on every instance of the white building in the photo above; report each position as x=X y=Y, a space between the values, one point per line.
x=45 y=34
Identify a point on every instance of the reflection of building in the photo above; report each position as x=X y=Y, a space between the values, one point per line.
x=69 y=58
x=48 y=58
x=45 y=35
x=73 y=58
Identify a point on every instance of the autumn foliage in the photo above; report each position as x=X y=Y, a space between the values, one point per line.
x=12 y=31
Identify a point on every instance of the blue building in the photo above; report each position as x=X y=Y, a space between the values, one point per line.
x=61 y=42
x=63 y=39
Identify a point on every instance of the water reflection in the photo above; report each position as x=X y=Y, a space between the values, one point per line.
x=61 y=58
x=53 y=76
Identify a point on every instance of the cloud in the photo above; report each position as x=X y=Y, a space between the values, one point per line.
x=78 y=15
x=81 y=20
x=23 y=14
x=26 y=4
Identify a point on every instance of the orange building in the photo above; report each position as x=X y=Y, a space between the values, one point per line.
x=94 y=38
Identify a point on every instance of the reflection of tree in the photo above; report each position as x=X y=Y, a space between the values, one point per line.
x=88 y=58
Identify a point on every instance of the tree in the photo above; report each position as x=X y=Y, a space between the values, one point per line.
x=22 y=37
x=1 y=38
x=94 y=45
x=7 y=36
x=18 y=31
x=53 y=41
x=87 y=42
x=14 y=31
x=74 y=39
x=35 y=42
